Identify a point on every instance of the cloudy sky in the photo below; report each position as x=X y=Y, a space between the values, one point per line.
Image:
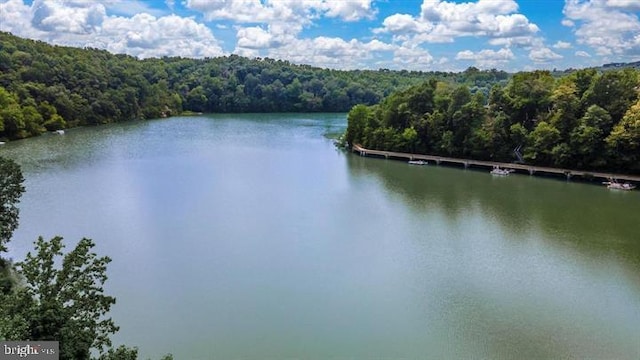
x=448 y=35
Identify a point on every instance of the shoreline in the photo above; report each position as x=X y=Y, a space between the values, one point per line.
x=518 y=168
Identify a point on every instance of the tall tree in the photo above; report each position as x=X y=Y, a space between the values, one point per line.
x=11 y=189
x=529 y=95
x=615 y=91
x=624 y=140
x=357 y=120
x=68 y=304
x=565 y=107
x=587 y=138
x=542 y=141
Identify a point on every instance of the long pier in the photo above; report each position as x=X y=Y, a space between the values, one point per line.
x=531 y=169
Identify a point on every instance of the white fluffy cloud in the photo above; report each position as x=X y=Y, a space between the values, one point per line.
x=280 y=22
x=255 y=38
x=85 y=23
x=252 y=11
x=498 y=22
x=582 y=53
x=402 y=24
x=562 y=45
x=349 y=10
x=331 y=52
x=256 y=11
x=487 y=58
x=631 y=5
x=147 y=36
x=543 y=55
x=413 y=58
x=16 y=18
x=443 y=21
x=607 y=26
x=54 y=16
x=500 y=55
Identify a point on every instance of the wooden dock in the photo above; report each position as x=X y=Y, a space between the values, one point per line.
x=530 y=169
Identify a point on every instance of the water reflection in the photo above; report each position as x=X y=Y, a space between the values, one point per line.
x=573 y=216
x=525 y=267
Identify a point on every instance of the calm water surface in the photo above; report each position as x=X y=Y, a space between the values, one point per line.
x=251 y=236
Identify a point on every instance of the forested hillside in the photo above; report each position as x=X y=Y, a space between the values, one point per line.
x=45 y=87
x=587 y=120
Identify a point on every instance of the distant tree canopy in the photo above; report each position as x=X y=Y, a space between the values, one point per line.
x=45 y=87
x=586 y=120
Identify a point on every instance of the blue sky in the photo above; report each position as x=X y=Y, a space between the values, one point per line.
x=447 y=35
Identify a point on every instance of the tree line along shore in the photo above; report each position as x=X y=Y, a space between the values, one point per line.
x=585 y=120
x=45 y=87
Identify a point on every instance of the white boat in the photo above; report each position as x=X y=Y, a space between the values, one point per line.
x=60 y=132
x=417 y=162
x=502 y=172
x=613 y=184
x=1 y=142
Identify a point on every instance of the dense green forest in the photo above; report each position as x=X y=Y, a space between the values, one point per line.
x=45 y=87
x=588 y=120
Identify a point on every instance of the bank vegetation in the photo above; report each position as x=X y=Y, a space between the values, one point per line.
x=587 y=120
x=46 y=88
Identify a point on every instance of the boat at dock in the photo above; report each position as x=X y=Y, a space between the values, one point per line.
x=501 y=172
x=613 y=184
x=417 y=162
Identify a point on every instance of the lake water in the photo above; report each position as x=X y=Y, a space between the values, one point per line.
x=253 y=237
